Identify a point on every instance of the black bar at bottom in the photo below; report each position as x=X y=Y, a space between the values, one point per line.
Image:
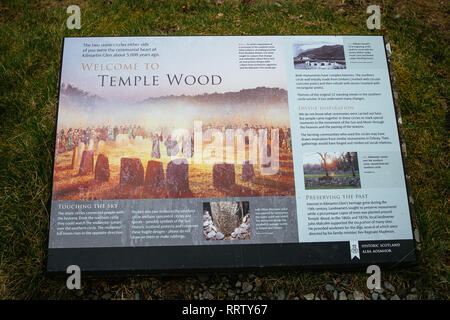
x=220 y=257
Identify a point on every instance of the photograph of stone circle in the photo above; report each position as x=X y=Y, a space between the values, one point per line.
x=114 y=150
x=320 y=54
x=331 y=170
x=226 y=220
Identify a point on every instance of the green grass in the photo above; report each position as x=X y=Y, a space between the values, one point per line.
x=331 y=187
x=30 y=47
x=340 y=175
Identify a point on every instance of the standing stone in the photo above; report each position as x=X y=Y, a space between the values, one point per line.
x=177 y=176
x=248 y=172
x=131 y=171
x=87 y=163
x=223 y=175
x=102 y=168
x=154 y=176
x=226 y=216
x=266 y=155
x=76 y=158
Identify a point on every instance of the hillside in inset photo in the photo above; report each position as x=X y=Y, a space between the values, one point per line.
x=319 y=55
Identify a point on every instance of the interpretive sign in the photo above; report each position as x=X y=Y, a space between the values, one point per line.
x=222 y=152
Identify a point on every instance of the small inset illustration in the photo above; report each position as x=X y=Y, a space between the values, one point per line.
x=226 y=220
x=325 y=53
x=331 y=170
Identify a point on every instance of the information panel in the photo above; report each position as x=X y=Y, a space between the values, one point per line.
x=223 y=152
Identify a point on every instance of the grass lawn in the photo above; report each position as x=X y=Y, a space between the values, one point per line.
x=341 y=175
x=331 y=187
x=30 y=48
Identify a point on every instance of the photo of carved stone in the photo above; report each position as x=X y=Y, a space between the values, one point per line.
x=331 y=170
x=226 y=220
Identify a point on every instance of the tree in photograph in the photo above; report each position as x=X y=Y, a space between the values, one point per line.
x=341 y=162
x=324 y=156
x=348 y=161
x=354 y=162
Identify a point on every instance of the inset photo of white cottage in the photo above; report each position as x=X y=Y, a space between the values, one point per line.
x=320 y=53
